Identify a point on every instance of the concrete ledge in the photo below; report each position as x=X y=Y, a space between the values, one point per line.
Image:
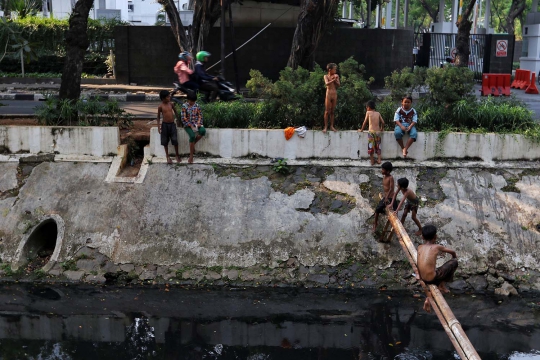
x=352 y=145
x=64 y=140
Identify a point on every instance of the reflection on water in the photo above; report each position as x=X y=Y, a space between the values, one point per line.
x=132 y=323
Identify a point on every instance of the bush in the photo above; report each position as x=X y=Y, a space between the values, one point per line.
x=449 y=84
x=405 y=82
x=82 y=112
x=297 y=98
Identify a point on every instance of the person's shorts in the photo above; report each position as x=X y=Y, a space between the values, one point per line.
x=201 y=131
x=169 y=132
x=412 y=205
x=445 y=273
x=382 y=206
x=398 y=133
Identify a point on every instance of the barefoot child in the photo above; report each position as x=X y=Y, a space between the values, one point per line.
x=405 y=119
x=192 y=120
x=388 y=188
x=376 y=126
x=168 y=130
x=427 y=259
x=331 y=80
x=412 y=203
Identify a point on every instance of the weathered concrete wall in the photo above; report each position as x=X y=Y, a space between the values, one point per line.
x=65 y=140
x=250 y=217
x=233 y=143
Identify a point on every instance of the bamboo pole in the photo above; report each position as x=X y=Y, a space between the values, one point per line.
x=450 y=324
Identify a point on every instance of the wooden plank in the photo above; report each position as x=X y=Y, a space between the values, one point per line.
x=450 y=324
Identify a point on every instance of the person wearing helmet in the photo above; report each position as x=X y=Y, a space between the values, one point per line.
x=184 y=72
x=206 y=82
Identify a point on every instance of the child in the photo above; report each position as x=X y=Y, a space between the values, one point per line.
x=376 y=126
x=184 y=72
x=192 y=120
x=405 y=119
x=388 y=188
x=412 y=203
x=427 y=259
x=331 y=80
x=168 y=131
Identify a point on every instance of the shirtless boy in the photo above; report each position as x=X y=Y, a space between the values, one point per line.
x=168 y=130
x=376 y=126
x=427 y=259
x=331 y=80
x=411 y=205
x=388 y=188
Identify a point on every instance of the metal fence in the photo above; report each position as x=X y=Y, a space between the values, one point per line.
x=443 y=47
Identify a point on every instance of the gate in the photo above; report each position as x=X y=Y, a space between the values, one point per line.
x=435 y=49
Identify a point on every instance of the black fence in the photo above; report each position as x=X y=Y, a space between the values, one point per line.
x=436 y=49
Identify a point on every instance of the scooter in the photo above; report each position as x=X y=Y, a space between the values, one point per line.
x=226 y=90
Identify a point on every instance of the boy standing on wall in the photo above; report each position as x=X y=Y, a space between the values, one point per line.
x=192 y=120
x=168 y=131
x=331 y=80
x=376 y=126
x=427 y=260
x=412 y=203
x=405 y=119
x=388 y=188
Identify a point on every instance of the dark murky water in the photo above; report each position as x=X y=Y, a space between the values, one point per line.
x=59 y=322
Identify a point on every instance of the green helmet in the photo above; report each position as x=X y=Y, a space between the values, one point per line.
x=202 y=54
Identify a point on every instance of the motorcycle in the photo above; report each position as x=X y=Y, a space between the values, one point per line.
x=226 y=90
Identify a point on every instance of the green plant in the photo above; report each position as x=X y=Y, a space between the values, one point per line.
x=405 y=82
x=449 y=84
x=281 y=167
x=83 y=112
x=69 y=265
x=39 y=273
x=6 y=268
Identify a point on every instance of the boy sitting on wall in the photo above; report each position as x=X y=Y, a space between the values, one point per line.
x=192 y=120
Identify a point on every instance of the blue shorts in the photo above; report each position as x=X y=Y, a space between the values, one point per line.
x=398 y=133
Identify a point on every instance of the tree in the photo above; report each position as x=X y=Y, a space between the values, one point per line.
x=516 y=9
x=315 y=15
x=205 y=15
x=462 y=39
x=76 y=45
x=176 y=23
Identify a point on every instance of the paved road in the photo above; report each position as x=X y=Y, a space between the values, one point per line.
x=22 y=107
x=149 y=109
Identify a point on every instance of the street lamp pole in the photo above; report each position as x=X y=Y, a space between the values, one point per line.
x=223 y=7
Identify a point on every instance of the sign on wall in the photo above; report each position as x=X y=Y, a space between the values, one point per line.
x=501 y=48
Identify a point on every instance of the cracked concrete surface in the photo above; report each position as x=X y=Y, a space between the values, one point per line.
x=191 y=216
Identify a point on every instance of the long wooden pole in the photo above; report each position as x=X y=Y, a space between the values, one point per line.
x=450 y=324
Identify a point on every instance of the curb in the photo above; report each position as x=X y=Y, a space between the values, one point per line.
x=127 y=97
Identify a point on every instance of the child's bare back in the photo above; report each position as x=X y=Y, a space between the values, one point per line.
x=376 y=122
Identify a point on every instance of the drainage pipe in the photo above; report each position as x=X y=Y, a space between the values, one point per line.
x=450 y=324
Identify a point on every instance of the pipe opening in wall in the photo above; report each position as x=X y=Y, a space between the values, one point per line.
x=39 y=249
x=41 y=244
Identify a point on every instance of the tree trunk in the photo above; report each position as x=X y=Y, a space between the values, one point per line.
x=516 y=9
x=76 y=45
x=433 y=14
x=176 y=24
x=205 y=15
x=462 y=39
x=315 y=15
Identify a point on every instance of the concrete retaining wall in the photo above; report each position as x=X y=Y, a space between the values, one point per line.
x=232 y=143
x=66 y=140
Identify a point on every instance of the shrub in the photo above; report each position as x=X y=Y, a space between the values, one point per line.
x=297 y=98
x=83 y=112
x=449 y=84
x=405 y=82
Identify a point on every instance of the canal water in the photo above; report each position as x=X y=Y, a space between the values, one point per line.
x=80 y=322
